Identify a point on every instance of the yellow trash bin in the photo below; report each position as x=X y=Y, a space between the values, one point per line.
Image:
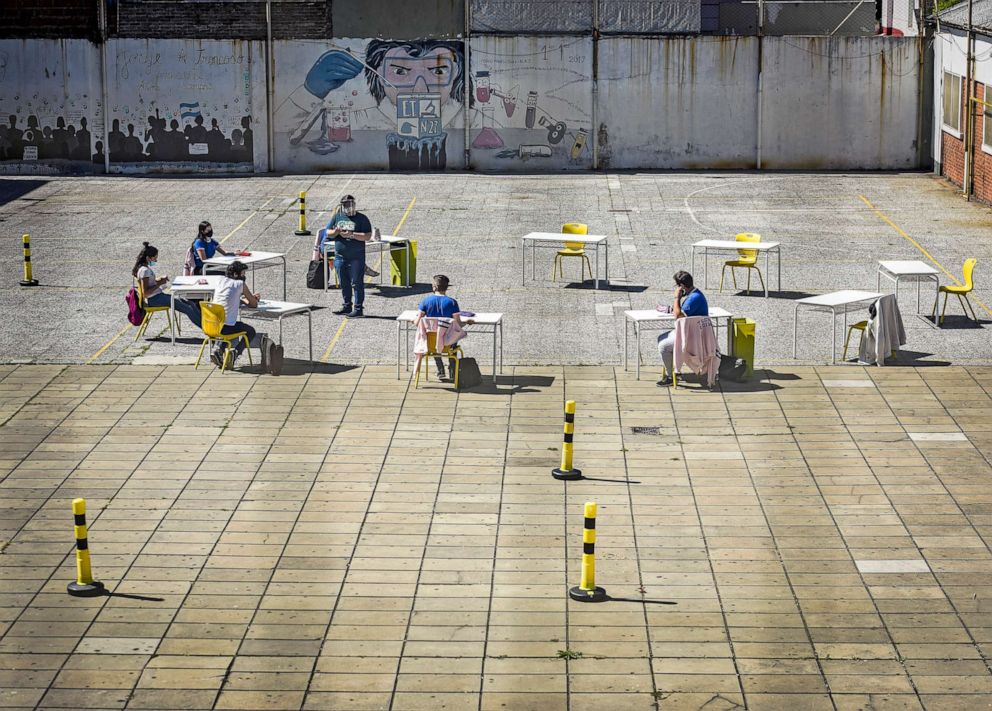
x=397 y=265
x=744 y=342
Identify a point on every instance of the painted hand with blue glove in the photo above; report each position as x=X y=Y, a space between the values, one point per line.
x=331 y=70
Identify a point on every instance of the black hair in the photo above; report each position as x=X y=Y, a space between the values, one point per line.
x=440 y=282
x=683 y=278
x=202 y=229
x=375 y=53
x=147 y=252
x=234 y=269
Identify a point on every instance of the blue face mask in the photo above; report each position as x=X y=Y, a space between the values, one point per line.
x=152 y=263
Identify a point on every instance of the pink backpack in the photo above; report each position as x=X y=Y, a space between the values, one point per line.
x=135 y=312
x=189 y=264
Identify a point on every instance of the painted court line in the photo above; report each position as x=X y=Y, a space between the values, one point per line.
x=330 y=347
x=923 y=251
x=108 y=344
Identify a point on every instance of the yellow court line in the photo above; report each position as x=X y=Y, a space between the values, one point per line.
x=920 y=247
x=396 y=230
x=327 y=353
x=108 y=344
x=403 y=219
x=245 y=222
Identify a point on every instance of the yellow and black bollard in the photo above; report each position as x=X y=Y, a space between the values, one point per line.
x=566 y=471
x=29 y=279
x=85 y=585
x=303 y=215
x=587 y=590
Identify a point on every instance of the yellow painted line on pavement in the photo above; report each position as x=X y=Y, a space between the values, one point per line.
x=923 y=251
x=108 y=344
x=330 y=347
x=403 y=219
x=245 y=222
x=396 y=230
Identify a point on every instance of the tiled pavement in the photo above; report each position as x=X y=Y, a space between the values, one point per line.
x=338 y=540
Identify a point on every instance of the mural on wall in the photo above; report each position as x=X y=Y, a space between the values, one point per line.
x=380 y=102
x=533 y=102
x=181 y=101
x=50 y=117
x=401 y=104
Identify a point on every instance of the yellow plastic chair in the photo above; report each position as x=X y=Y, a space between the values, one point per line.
x=212 y=318
x=149 y=310
x=746 y=259
x=960 y=291
x=859 y=326
x=572 y=249
x=451 y=352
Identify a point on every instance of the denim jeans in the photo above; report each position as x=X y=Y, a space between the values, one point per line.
x=351 y=274
x=191 y=311
x=239 y=345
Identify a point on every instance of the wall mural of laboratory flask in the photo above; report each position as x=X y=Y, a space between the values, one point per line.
x=412 y=92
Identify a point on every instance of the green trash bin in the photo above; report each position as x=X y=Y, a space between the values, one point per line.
x=397 y=265
x=744 y=342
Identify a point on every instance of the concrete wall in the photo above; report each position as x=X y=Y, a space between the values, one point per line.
x=191 y=104
x=51 y=111
x=537 y=112
x=849 y=102
x=678 y=103
x=528 y=103
x=174 y=105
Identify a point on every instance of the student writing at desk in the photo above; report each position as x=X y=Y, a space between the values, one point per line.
x=688 y=301
x=230 y=294
x=440 y=305
x=151 y=285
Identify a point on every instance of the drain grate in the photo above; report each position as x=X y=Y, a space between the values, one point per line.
x=646 y=430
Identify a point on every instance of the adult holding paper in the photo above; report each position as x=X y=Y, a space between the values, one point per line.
x=350 y=230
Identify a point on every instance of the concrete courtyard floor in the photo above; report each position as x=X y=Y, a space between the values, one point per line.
x=86 y=233
x=816 y=539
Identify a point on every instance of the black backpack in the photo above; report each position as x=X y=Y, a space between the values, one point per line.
x=315 y=274
x=732 y=369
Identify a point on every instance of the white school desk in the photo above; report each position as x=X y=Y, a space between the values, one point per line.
x=558 y=240
x=485 y=323
x=836 y=300
x=256 y=260
x=663 y=320
x=187 y=287
x=720 y=245
x=913 y=270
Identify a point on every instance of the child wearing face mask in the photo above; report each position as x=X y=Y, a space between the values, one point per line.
x=205 y=247
x=231 y=294
x=144 y=271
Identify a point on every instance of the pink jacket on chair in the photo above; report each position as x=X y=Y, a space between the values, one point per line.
x=448 y=331
x=695 y=346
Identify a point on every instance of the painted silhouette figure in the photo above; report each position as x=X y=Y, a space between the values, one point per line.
x=132 y=145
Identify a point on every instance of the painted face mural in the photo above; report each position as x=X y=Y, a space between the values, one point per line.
x=411 y=83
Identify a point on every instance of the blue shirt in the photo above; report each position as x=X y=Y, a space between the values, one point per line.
x=439 y=306
x=350 y=248
x=209 y=248
x=695 y=304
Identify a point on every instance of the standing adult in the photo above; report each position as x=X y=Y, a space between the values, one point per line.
x=688 y=301
x=350 y=230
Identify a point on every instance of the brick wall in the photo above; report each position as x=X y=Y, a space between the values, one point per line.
x=235 y=19
x=53 y=19
x=952 y=151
